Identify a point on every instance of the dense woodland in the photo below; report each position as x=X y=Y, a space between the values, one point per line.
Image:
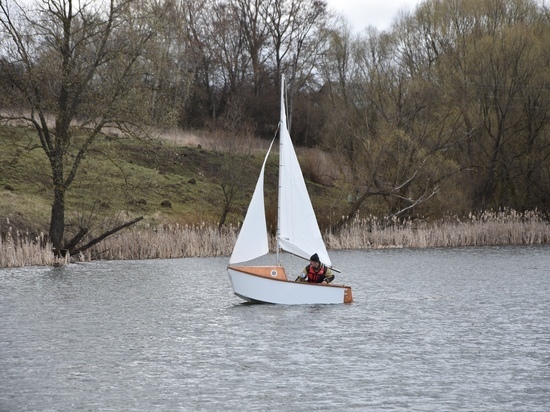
x=445 y=113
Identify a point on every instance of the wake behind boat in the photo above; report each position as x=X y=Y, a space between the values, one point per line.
x=297 y=233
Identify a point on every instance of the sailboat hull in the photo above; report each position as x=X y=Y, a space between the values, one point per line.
x=268 y=284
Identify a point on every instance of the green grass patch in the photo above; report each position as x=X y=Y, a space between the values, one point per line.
x=117 y=180
x=120 y=179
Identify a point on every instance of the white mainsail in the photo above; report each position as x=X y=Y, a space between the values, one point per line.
x=298 y=230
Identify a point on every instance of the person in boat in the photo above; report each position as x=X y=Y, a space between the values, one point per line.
x=316 y=272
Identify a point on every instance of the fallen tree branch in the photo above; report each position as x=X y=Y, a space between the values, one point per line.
x=76 y=240
x=103 y=236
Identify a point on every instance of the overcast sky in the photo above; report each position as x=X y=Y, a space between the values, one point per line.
x=378 y=13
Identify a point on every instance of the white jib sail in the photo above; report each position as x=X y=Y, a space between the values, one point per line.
x=298 y=228
x=252 y=241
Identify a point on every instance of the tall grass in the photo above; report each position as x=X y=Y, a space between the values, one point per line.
x=204 y=240
x=22 y=249
x=506 y=227
x=165 y=242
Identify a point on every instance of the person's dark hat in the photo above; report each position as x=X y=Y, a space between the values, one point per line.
x=314 y=258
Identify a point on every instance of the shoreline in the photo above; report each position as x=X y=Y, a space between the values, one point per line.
x=204 y=240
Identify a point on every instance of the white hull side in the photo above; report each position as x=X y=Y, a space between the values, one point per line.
x=262 y=289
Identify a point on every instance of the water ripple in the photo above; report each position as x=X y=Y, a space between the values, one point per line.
x=441 y=329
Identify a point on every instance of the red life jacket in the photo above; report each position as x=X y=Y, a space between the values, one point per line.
x=316 y=277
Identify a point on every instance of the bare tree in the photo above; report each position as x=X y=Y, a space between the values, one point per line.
x=168 y=61
x=378 y=124
x=298 y=38
x=73 y=68
x=254 y=29
x=487 y=64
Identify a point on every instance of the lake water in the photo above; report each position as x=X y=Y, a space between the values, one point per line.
x=430 y=330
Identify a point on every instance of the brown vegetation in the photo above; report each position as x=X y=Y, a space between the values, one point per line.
x=204 y=240
x=489 y=229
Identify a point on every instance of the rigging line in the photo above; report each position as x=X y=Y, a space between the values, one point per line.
x=277 y=130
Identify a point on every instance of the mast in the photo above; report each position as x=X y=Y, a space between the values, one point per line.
x=282 y=123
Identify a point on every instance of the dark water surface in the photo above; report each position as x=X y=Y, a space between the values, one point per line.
x=430 y=330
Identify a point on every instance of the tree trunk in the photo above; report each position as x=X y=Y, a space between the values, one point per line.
x=57 y=222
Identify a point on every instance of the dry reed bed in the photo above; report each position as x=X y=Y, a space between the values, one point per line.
x=145 y=242
x=166 y=242
x=488 y=229
x=19 y=249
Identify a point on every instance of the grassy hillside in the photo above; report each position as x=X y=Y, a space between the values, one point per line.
x=178 y=191
x=122 y=179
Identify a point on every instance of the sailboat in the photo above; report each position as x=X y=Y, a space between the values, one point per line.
x=297 y=233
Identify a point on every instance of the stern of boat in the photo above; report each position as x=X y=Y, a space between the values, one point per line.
x=348 y=297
